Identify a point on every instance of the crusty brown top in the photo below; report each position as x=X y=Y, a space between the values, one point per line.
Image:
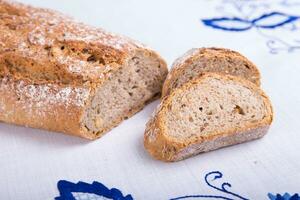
x=188 y=57
x=45 y=46
x=191 y=57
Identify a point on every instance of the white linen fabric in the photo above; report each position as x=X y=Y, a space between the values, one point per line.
x=267 y=32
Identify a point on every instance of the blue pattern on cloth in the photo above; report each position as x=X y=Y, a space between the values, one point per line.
x=226 y=194
x=286 y=196
x=98 y=191
x=280 y=29
x=224 y=189
x=85 y=191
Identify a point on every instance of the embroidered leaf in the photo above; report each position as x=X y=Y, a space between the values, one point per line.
x=274 y=20
x=82 y=190
x=286 y=196
x=228 y=24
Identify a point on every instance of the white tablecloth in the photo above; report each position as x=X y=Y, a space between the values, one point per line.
x=267 y=32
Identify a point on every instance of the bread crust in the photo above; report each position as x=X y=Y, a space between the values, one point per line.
x=45 y=45
x=212 y=53
x=47 y=55
x=48 y=106
x=165 y=148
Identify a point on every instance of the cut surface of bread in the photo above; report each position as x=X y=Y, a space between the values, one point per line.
x=209 y=112
x=217 y=60
x=124 y=93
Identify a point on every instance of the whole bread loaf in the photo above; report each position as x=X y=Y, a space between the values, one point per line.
x=61 y=75
x=207 y=113
x=216 y=60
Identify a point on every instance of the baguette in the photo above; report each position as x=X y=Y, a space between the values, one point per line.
x=61 y=75
x=207 y=113
x=217 y=60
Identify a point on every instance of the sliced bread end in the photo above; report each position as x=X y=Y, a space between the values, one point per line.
x=207 y=113
x=216 y=60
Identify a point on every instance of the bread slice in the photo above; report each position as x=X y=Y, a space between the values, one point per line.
x=207 y=113
x=62 y=75
x=217 y=60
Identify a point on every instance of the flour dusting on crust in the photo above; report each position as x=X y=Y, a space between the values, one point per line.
x=179 y=61
x=41 y=98
x=35 y=34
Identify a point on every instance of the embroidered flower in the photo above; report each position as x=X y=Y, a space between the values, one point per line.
x=286 y=196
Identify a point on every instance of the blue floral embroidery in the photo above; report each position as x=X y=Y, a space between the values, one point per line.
x=223 y=188
x=244 y=24
x=241 y=19
x=66 y=190
x=228 y=24
x=286 y=196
